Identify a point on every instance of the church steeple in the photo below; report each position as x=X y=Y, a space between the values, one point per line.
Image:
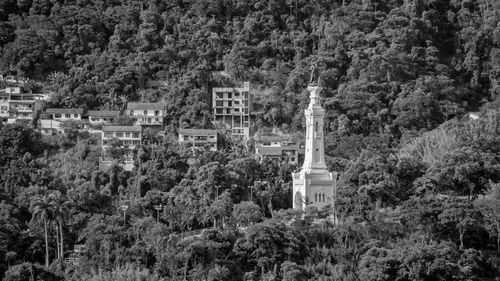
x=314 y=148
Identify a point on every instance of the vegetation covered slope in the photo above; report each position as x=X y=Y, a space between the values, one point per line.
x=398 y=77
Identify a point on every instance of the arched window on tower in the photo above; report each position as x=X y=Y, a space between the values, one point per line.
x=315 y=197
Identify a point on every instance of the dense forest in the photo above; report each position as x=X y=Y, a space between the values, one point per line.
x=418 y=191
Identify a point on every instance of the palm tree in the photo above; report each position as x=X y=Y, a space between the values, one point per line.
x=43 y=210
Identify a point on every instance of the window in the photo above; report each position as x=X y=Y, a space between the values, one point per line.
x=228 y=110
x=57 y=115
x=127 y=135
x=108 y=135
x=315 y=197
x=119 y=135
x=236 y=110
x=157 y=112
x=316 y=129
x=218 y=111
x=135 y=135
x=131 y=113
x=229 y=95
x=67 y=115
x=323 y=197
x=145 y=112
x=75 y=115
x=229 y=103
x=212 y=137
x=219 y=103
x=236 y=102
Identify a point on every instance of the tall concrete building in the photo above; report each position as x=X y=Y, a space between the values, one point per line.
x=314 y=185
x=232 y=107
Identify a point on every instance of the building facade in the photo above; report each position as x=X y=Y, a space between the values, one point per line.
x=277 y=147
x=198 y=138
x=64 y=114
x=20 y=106
x=147 y=114
x=232 y=108
x=49 y=127
x=314 y=185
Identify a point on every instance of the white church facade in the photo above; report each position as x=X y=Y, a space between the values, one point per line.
x=314 y=185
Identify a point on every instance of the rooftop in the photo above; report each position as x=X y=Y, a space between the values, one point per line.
x=270 y=151
x=145 y=106
x=104 y=113
x=197 y=131
x=64 y=110
x=270 y=138
x=121 y=129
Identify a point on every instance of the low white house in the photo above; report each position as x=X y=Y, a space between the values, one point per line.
x=64 y=114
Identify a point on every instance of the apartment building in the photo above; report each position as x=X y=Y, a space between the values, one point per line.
x=102 y=116
x=16 y=105
x=129 y=138
x=198 y=138
x=277 y=147
x=232 y=108
x=147 y=114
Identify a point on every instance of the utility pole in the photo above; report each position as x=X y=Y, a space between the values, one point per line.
x=124 y=208
x=158 y=208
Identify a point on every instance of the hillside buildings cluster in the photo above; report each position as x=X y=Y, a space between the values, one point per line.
x=232 y=111
x=232 y=108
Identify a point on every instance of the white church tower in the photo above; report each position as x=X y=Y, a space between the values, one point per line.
x=314 y=185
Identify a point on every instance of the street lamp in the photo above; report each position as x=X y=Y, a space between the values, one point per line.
x=158 y=208
x=124 y=209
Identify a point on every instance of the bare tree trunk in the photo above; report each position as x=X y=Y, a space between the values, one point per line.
x=61 y=233
x=185 y=268
x=46 y=243
x=57 y=242
x=498 y=242
x=461 y=239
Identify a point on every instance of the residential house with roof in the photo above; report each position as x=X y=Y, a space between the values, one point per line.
x=50 y=123
x=277 y=147
x=231 y=108
x=125 y=139
x=147 y=114
x=102 y=116
x=198 y=138
x=64 y=114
